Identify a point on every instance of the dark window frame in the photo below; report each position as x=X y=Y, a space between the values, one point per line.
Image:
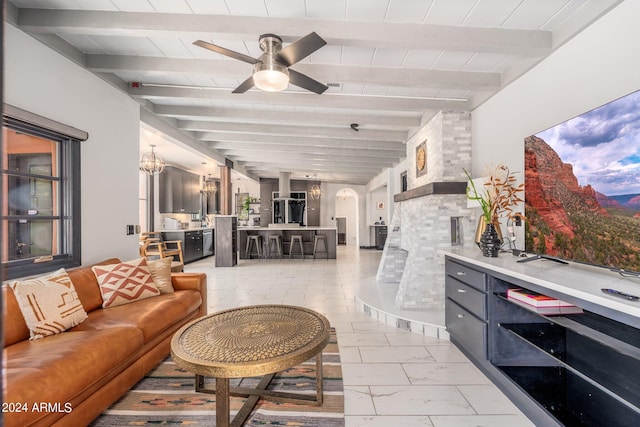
x=69 y=203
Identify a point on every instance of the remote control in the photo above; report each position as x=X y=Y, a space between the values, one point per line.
x=620 y=294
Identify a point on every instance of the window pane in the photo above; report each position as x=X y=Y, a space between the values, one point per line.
x=31 y=238
x=32 y=196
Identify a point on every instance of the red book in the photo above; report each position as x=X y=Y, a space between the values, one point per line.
x=535 y=299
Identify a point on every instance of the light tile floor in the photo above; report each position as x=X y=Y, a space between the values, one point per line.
x=391 y=377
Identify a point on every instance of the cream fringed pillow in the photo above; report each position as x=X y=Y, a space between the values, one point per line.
x=125 y=282
x=161 y=274
x=49 y=304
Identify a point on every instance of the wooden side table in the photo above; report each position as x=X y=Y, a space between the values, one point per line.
x=247 y=342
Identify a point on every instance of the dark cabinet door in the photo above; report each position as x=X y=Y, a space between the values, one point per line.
x=192 y=245
x=170 y=190
x=179 y=191
x=190 y=193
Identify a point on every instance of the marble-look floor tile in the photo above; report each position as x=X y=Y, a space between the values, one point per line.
x=373 y=374
x=357 y=401
x=446 y=354
x=387 y=421
x=482 y=421
x=419 y=400
x=444 y=374
x=395 y=354
x=487 y=399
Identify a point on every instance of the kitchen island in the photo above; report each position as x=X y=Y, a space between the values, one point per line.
x=197 y=242
x=286 y=231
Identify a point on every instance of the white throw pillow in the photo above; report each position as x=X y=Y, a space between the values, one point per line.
x=49 y=304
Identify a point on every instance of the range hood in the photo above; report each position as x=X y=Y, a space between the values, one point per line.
x=284 y=185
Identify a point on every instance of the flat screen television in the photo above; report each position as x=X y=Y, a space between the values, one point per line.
x=582 y=187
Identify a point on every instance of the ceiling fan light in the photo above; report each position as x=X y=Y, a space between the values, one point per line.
x=271 y=77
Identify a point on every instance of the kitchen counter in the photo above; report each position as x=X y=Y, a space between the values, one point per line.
x=307 y=232
x=189 y=229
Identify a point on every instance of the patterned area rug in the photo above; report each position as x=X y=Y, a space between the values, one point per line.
x=166 y=397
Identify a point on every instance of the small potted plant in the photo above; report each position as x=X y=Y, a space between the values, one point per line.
x=498 y=196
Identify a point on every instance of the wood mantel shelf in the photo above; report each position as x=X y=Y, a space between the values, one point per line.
x=452 y=187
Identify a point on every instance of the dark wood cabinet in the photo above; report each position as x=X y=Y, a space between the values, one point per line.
x=192 y=245
x=179 y=191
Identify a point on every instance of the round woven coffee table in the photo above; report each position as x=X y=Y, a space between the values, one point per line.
x=247 y=342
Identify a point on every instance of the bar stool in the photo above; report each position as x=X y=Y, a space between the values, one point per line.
x=276 y=240
x=296 y=238
x=257 y=242
x=320 y=238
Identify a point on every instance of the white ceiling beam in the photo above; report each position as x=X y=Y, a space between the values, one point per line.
x=375 y=121
x=250 y=140
x=384 y=76
x=302 y=131
x=327 y=100
x=320 y=165
x=346 y=33
x=316 y=152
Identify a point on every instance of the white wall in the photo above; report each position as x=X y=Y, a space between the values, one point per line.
x=597 y=66
x=39 y=80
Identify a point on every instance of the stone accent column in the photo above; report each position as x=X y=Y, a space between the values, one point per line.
x=394 y=258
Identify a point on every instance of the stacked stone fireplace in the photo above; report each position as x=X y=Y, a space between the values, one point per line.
x=432 y=215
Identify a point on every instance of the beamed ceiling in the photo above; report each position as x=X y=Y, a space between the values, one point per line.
x=390 y=65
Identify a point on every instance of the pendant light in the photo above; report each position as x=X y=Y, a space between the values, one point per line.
x=151 y=163
x=315 y=192
x=209 y=185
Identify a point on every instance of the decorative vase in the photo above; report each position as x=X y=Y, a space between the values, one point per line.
x=490 y=242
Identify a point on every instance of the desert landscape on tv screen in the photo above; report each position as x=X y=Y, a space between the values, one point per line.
x=582 y=187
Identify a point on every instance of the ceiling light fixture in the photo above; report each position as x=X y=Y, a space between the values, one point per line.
x=209 y=185
x=315 y=192
x=268 y=74
x=151 y=163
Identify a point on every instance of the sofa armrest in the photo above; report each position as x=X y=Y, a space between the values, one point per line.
x=193 y=281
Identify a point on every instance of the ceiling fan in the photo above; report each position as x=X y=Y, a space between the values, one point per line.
x=271 y=70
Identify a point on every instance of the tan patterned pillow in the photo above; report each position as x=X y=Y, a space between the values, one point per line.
x=49 y=304
x=125 y=282
x=161 y=274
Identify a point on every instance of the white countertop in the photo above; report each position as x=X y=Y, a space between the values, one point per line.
x=188 y=229
x=574 y=279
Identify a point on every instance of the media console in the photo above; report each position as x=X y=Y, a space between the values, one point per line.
x=568 y=369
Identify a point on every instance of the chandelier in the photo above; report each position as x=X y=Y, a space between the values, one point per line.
x=209 y=185
x=315 y=192
x=151 y=163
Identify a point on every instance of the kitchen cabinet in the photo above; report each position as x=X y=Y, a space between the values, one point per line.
x=193 y=242
x=179 y=191
x=192 y=245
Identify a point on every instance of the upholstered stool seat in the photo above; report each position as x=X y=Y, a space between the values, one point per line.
x=253 y=241
x=320 y=238
x=296 y=238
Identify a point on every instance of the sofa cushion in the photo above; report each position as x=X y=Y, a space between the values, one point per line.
x=125 y=282
x=153 y=315
x=49 y=303
x=87 y=286
x=161 y=273
x=59 y=367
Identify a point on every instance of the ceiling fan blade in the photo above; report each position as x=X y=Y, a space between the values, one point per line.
x=306 y=82
x=226 y=52
x=244 y=86
x=300 y=49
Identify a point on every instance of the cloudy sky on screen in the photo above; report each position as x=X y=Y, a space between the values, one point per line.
x=603 y=145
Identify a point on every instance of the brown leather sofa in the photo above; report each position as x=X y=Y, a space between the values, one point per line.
x=71 y=377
